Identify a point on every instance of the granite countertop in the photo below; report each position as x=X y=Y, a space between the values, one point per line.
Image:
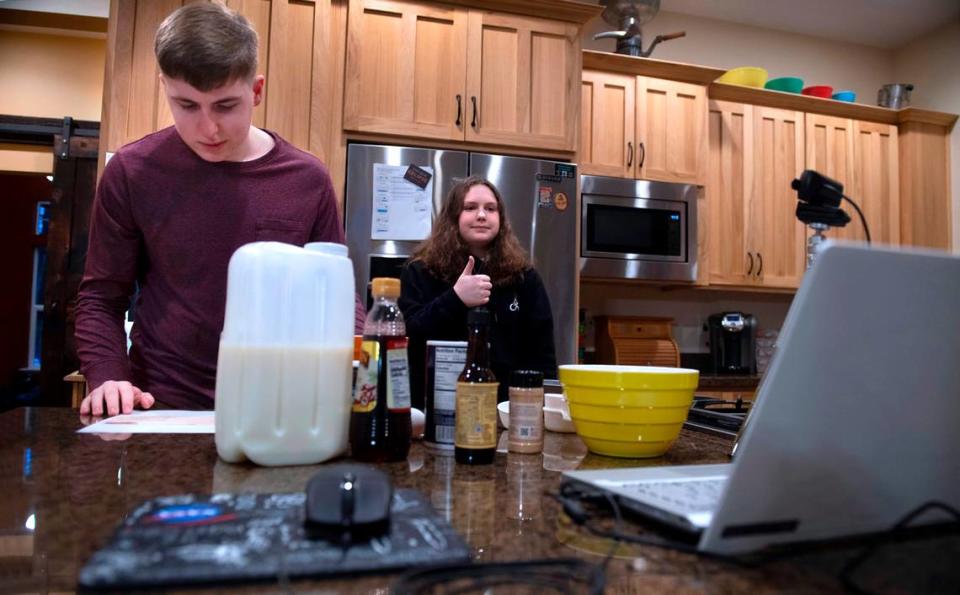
x=64 y=493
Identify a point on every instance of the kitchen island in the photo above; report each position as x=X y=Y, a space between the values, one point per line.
x=62 y=494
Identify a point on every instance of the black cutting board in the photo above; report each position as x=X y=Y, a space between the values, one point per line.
x=195 y=539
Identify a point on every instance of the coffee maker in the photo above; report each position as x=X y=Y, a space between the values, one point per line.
x=733 y=342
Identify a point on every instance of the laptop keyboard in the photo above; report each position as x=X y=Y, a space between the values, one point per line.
x=685 y=496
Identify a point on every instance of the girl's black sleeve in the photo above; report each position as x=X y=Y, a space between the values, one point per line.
x=430 y=307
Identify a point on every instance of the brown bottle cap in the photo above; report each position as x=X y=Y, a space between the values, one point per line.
x=385 y=287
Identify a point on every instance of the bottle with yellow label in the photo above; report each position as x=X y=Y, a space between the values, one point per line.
x=476 y=402
x=380 y=420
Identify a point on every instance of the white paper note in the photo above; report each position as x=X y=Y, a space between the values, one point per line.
x=162 y=421
x=401 y=209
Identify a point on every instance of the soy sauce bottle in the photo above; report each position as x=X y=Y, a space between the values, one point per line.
x=476 y=401
x=380 y=419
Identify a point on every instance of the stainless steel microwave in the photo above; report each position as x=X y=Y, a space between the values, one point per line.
x=636 y=229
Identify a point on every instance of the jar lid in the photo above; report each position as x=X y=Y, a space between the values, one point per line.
x=385 y=286
x=526 y=379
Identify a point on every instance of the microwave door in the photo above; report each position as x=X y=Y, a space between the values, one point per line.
x=634 y=229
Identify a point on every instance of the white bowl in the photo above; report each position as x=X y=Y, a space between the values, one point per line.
x=557 y=420
x=503 y=412
x=555 y=401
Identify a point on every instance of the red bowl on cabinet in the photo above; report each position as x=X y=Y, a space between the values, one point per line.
x=824 y=91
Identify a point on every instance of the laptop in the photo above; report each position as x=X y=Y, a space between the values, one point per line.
x=855 y=424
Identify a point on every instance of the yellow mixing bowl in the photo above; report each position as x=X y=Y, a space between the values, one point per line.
x=750 y=76
x=628 y=411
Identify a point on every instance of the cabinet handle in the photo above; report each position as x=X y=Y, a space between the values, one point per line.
x=473 y=99
x=459 y=110
x=760 y=267
x=629 y=153
x=643 y=155
x=750 y=268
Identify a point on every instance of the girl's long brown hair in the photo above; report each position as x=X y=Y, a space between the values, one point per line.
x=445 y=252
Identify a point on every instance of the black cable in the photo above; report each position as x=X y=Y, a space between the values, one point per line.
x=866 y=230
x=568 y=492
x=846 y=573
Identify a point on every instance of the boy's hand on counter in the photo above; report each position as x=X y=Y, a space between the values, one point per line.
x=113 y=397
x=473 y=290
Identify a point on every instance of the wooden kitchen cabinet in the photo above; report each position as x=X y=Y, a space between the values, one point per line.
x=774 y=232
x=754 y=237
x=607 y=139
x=436 y=71
x=728 y=193
x=643 y=127
x=925 y=204
x=863 y=157
x=671 y=119
x=876 y=187
x=405 y=69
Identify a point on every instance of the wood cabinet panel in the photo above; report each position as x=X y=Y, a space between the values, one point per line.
x=258 y=13
x=607 y=142
x=775 y=234
x=877 y=187
x=925 y=185
x=405 y=69
x=521 y=81
x=671 y=120
x=436 y=71
x=146 y=94
x=642 y=127
x=291 y=62
x=728 y=192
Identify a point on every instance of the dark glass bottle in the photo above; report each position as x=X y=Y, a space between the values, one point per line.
x=380 y=420
x=476 y=413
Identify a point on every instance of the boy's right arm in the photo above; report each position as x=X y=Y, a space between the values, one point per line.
x=103 y=298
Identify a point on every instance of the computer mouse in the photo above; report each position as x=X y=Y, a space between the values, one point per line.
x=348 y=503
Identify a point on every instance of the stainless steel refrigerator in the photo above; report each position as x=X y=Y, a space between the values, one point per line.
x=388 y=207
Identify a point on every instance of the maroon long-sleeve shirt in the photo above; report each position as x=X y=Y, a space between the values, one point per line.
x=168 y=220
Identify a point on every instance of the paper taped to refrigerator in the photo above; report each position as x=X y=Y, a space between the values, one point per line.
x=401 y=209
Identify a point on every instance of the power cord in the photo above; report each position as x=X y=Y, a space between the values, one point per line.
x=894 y=533
x=866 y=229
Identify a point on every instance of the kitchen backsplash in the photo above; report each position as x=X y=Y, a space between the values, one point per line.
x=688 y=308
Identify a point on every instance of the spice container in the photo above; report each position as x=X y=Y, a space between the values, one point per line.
x=526 y=412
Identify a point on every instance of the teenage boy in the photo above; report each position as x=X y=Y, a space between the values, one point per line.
x=171 y=209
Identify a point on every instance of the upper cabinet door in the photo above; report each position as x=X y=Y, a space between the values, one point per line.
x=830 y=151
x=607 y=143
x=728 y=193
x=405 y=69
x=671 y=125
x=522 y=81
x=877 y=190
x=775 y=234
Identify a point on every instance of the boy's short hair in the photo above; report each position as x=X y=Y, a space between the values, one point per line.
x=207 y=45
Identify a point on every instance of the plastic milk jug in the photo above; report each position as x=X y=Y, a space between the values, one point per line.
x=283 y=391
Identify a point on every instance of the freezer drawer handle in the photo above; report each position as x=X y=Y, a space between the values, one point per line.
x=459 y=110
x=473 y=98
